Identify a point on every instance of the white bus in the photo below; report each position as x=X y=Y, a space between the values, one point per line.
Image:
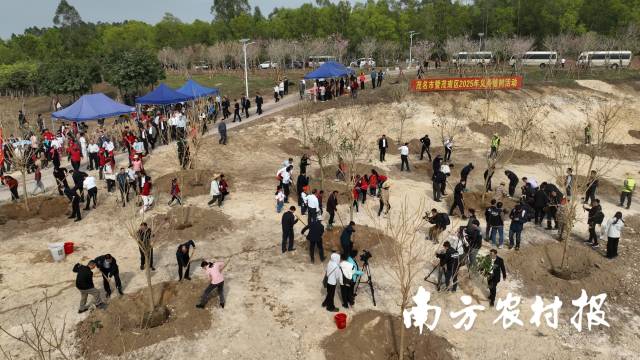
x=472 y=58
x=536 y=58
x=612 y=59
x=315 y=61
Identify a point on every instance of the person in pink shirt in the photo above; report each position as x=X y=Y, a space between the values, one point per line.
x=214 y=273
x=137 y=163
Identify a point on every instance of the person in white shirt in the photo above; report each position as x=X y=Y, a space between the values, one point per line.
x=313 y=206
x=448 y=148
x=89 y=184
x=285 y=181
x=281 y=89
x=612 y=230
x=214 y=192
x=445 y=169
x=93 y=150
x=108 y=145
x=276 y=92
x=404 y=157
x=83 y=146
x=279 y=199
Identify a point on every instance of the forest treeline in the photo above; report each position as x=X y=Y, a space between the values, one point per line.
x=73 y=54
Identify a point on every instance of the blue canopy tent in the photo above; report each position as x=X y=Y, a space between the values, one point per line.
x=195 y=90
x=330 y=69
x=162 y=95
x=92 y=107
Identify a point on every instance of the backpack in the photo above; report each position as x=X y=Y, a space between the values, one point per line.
x=445 y=219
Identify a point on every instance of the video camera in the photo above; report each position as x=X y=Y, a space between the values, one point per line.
x=365 y=256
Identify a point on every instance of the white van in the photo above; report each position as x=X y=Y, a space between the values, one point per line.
x=537 y=58
x=612 y=59
x=472 y=58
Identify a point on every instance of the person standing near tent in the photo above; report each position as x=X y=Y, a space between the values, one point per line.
x=362 y=79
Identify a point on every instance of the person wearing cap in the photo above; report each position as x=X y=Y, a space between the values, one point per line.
x=628 y=187
x=184 y=259
x=84 y=284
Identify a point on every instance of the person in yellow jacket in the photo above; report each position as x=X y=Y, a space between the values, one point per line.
x=495 y=144
x=627 y=190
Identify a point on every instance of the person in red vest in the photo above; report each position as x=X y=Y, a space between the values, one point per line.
x=76 y=155
x=12 y=184
x=147 y=198
x=102 y=161
x=373 y=183
x=355 y=192
x=364 y=187
x=175 y=192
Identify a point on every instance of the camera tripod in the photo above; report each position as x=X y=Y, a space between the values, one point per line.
x=367 y=271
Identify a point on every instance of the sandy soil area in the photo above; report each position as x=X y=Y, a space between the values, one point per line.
x=273 y=300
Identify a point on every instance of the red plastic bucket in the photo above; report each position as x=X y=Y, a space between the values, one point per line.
x=68 y=248
x=341 y=320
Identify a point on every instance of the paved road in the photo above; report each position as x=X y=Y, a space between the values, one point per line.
x=121 y=158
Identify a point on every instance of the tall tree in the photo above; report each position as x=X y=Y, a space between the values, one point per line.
x=225 y=10
x=66 y=15
x=133 y=70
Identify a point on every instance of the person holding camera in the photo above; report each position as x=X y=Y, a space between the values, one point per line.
x=449 y=264
x=440 y=222
x=214 y=274
x=474 y=239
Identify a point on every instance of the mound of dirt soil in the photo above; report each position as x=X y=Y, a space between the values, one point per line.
x=40 y=207
x=473 y=200
x=119 y=328
x=630 y=152
x=191 y=182
x=526 y=157
x=374 y=335
x=489 y=128
x=181 y=224
x=538 y=267
x=635 y=133
x=365 y=238
x=292 y=147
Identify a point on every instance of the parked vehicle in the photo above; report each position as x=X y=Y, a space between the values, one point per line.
x=294 y=65
x=612 y=59
x=268 y=65
x=315 y=61
x=472 y=58
x=362 y=62
x=201 y=66
x=536 y=58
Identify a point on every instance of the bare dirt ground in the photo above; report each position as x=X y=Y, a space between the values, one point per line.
x=273 y=300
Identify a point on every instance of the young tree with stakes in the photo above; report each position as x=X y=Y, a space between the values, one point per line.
x=322 y=133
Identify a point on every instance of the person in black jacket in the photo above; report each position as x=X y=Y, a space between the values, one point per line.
x=440 y=222
x=332 y=206
x=464 y=173
x=449 y=263
x=437 y=162
x=288 y=220
x=551 y=210
x=474 y=239
x=109 y=268
x=316 y=230
x=301 y=182
x=518 y=217
x=183 y=257
x=236 y=111
x=439 y=182
x=74 y=197
x=345 y=238
x=513 y=182
x=426 y=145
x=595 y=217
x=497 y=223
x=458 y=199
x=84 y=283
x=592 y=186
x=383 y=144
x=497 y=267
x=60 y=174
x=122 y=180
x=487 y=214
x=540 y=202
x=488 y=174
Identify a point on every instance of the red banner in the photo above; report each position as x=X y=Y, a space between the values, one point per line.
x=1 y=149
x=467 y=83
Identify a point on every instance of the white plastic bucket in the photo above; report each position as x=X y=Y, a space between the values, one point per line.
x=57 y=251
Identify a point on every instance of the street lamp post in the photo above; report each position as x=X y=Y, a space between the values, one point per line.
x=481 y=35
x=411 y=35
x=245 y=43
